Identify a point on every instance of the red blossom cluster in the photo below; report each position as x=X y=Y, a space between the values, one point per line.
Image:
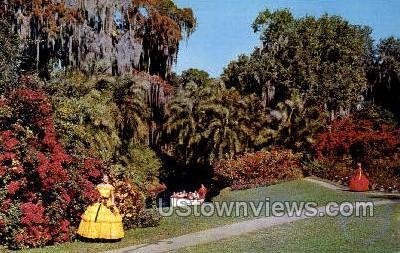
x=35 y=230
x=375 y=145
x=360 y=138
x=13 y=187
x=45 y=185
x=260 y=168
x=94 y=167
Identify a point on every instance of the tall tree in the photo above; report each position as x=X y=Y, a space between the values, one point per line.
x=387 y=74
x=322 y=58
x=9 y=52
x=141 y=34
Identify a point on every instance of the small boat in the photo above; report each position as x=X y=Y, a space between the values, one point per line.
x=182 y=201
x=189 y=199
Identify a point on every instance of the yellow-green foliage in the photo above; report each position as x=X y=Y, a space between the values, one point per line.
x=107 y=117
x=90 y=122
x=141 y=165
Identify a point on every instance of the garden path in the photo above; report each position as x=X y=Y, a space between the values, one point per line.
x=231 y=230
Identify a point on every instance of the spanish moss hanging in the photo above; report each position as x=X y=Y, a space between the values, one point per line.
x=115 y=36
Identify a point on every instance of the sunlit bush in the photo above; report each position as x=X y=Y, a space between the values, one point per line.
x=260 y=168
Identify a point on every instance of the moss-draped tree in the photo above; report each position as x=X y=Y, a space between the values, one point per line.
x=119 y=35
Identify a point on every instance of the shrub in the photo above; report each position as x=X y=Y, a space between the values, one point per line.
x=43 y=190
x=260 y=168
x=361 y=139
x=374 y=144
x=129 y=200
x=149 y=218
x=141 y=165
x=333 y=169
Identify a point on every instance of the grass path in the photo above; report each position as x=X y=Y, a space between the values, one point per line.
x=237 y=229
x=377 y=234
x=221 y=233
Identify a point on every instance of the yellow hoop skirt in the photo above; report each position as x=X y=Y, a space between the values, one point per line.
x=99 y=222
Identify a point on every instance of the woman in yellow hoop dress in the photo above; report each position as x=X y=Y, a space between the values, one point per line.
x=102 y=220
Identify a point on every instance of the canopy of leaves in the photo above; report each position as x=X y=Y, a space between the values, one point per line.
x=387 y=74
x=322 y=58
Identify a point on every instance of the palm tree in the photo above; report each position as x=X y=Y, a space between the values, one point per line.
x=227 y=125
x=297 y=122
x=182 y=124
x=211 y=122
x=130 y=95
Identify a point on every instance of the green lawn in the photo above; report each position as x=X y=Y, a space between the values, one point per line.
x=175 y=226
x=380 y=233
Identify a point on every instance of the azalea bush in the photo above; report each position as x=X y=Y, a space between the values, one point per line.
x=260 y=168
x=43 y=190
x=129 y=200
x=375 y=144
x=361 y=139
x=131 y=203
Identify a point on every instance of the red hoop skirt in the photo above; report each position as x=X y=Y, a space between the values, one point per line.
x=359 y=182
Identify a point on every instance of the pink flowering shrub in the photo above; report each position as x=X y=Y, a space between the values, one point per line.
x=43 y=190
x=258 y=169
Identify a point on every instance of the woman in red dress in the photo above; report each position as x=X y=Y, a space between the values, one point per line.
x=358 y=181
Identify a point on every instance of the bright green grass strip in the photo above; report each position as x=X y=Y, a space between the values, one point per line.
x=380 y=233
x=175 y=226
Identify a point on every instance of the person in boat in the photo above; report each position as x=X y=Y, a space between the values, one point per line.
x=358 y=181
x=102 y=219
x=196 y=195
x=202 y=192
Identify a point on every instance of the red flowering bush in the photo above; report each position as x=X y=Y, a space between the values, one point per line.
x=260 y=168
x=361 y=139
x=376 y=146
x=43 y=190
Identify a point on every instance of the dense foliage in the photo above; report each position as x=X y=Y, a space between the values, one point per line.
x=81 y=34
x=324 y=59
x=209 y=122
x=108 y=117
x=375 y=145
x=385 y=75
x=9 y=53
x=42 y=188
x=260 y=168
